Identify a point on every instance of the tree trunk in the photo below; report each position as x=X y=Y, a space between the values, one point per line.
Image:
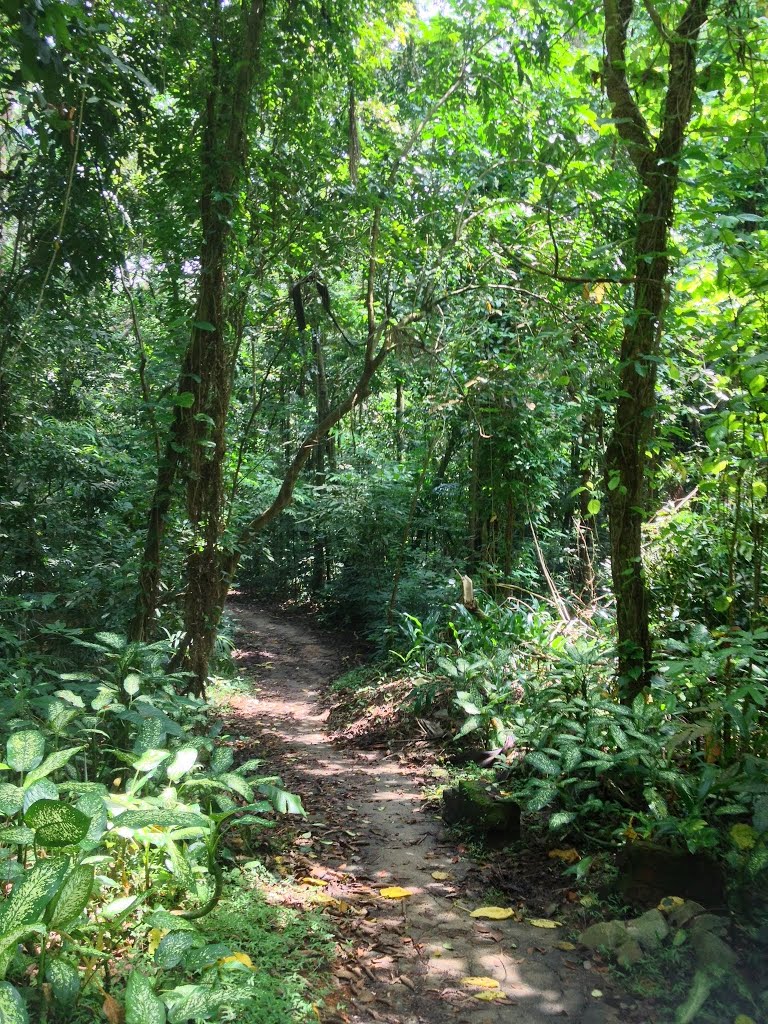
x=657 y=165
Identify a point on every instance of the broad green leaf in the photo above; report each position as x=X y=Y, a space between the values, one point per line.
x=12 y=1007
x=542 y=763
x=123 y=905
x=73 y=897
x=18 y=835
x=182 y=763
x=56 y=824
x=283 y=801
x=112 y=640
x=237 y=784
x=221 y=760
x=169 y=922
x=162 y=818
x=25 y=750
x=150 y=759
x=92 y=805
x=184 y=399
x=43 y=789
x=174 y=946
x=64 y=980
x=132 y=684
x=32 y=893
x=181 y=867
x=51 y=764
x=141 y=1004
x=10 y=799
x=192 y=1002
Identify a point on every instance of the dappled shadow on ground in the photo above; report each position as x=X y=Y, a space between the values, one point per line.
x=367 y=830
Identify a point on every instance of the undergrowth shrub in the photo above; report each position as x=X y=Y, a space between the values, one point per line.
x=117 y=797
x=684 y=764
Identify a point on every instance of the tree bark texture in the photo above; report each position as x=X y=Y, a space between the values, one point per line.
x=657 y=164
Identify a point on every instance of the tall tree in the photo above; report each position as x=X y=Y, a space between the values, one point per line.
x=657 y=162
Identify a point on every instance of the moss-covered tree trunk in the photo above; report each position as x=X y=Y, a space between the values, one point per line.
x=657 y=162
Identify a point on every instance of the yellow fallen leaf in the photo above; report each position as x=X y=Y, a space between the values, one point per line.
x=440 y=876
x=322 y=897
x=394 y=892
x=567 y=947
x=566 y=856
x=743 y=1019
x=596 y=993
x=542 y=922
x=480 y=982
x=493 y=913
x=155 y=935
x=240 y=958
x=669 y=903
x=489 y=997
x=309 y=880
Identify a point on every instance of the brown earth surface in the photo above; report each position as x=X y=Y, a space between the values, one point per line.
x=402 y=960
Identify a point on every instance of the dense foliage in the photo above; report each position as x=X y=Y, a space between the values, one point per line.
x=350 y=304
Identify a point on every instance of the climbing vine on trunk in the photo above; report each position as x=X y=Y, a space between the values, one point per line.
x=657 y=164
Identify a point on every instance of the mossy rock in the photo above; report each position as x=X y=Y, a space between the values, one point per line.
x=472 y=805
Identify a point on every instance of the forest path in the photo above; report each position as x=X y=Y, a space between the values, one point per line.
x=366 y=830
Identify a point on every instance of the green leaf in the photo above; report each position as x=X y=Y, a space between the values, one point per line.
x=561 y=818
x=541 y=798
x=25 y=750
x=759 y=490
x=593 y=507
x=32 y=894
x=17 y=836
x=132 y=684
x=169 y=922
x=10 y=799
x=150 y=760
x=184 y=399
x=221 y=760
x=43 y=789
x=119 y=907
x=162 y=818
x=73 y=897
x=64 y=980
x=12 y=1007
x=237 y=784
x=92 y=805
x=203 y=325
x=182 y=763
x=283 y=801
x=51 y=764
x=141 y=1004
x=56 y=824
x=542 y=763
x=191 y=1002
x=174 y=946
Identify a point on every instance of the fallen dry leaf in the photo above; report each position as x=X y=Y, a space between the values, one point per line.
x=440 y=876
x=480 y=982
x=488 y=997
x=112 y=1010
x=312 y=881
x=566 y=856
x=566 y=947
x=542 y=922
x=394 y=892
x=493 y=913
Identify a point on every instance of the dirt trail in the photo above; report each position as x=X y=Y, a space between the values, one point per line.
x=365 y=812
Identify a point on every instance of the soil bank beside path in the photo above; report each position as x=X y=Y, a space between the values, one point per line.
x=367 y=830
